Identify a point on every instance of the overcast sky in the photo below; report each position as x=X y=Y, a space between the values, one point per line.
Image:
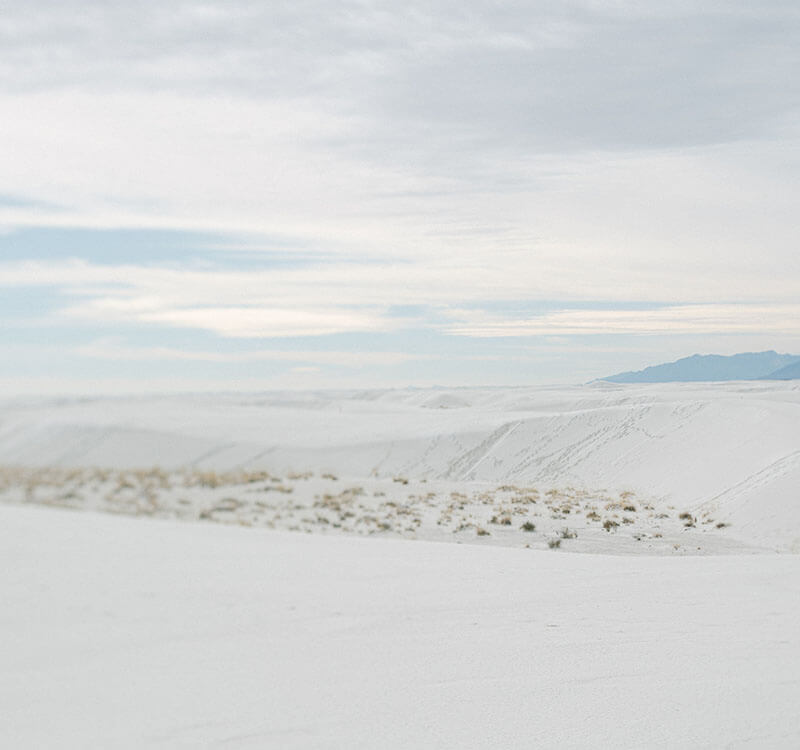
x=255 y=195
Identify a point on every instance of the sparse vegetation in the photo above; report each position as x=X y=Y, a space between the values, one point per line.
x=259 y=498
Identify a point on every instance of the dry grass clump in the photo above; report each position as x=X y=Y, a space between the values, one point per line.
x=226 y=505
x=284 y=489
x=528 y=526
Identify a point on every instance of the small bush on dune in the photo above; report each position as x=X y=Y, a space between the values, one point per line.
x=528 y=526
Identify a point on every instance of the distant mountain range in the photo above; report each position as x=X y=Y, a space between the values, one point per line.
x=715 y=367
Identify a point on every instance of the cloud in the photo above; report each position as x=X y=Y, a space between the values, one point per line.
x=675 y=321
x=266 y=322
x=318 y=300
x=112 y=349
x=544 y=75
x=454 y=158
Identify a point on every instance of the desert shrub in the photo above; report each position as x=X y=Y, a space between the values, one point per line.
x=722 y=525
x=209 y=479
x=553 y=543
x=568 y=534
x=252 y=477
x=608 y=524
x=528 y=526
x=282 y=488
x=482 y=532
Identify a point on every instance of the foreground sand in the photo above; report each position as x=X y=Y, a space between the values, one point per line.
x=201 y=622
x=135 y=633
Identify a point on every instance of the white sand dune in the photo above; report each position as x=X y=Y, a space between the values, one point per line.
x=730 y=449
x=140 y=633
x=131 y=633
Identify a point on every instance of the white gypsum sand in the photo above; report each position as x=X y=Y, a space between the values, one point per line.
x=128 y=633
x=180 y=628
x=725 y=456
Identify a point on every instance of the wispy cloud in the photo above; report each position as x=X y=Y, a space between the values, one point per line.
x=675 y=320
x=112 y=349
x=340 y=298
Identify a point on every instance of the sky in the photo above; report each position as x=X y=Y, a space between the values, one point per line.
x=315 y=194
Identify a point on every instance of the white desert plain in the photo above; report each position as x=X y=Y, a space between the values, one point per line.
x=399 y=375
x=591 y=566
